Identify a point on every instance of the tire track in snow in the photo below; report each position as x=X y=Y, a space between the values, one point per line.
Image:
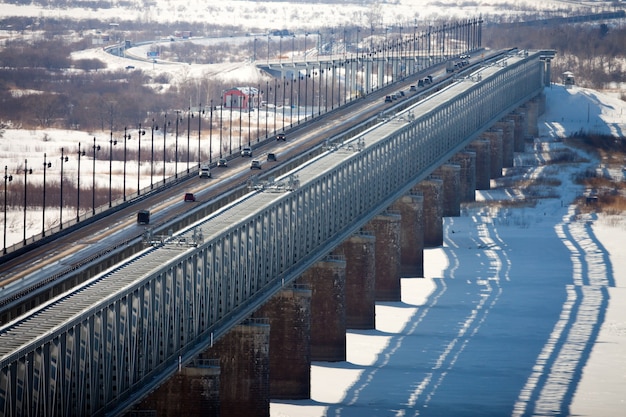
x=490 y=290
x=551 y=386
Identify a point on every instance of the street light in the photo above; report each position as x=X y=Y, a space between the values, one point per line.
x=26 y=172
x=7 y=178
x=210 y=131
x=200 y=113
x=126 y=138
x=188 y=133
x=153 y=128
x=140 y=133
x=45 y=166
x=176 y=146
x=165 y=124
x=112 y=143
x=63 y=159
x=221 y=119
x=78 y=184
x=93 y=177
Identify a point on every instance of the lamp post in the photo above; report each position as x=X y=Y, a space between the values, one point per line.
x=211 y=130
x=258 y=112
x=221 y=108
x=26 y=172
x=306 y=35
x=165 y=123
x=200 y=113
x=126 y=138
x=250 y=115
x=267 y=84
x=63 y=159
x=140 y=133
x=230 y=125
x=7 y=178
x=188 y=133
x=45 y=166
x=111 y=144
x=275 y=88
x=80 y=153
x=176 y=146
x=93 y=177
x=153 y=128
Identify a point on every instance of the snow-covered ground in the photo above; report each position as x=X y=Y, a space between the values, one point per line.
x=522 y=312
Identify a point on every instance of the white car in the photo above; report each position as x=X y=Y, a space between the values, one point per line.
x=247 y=151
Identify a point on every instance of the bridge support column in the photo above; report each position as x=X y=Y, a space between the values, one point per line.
x=411 y=209
x=289 y=314
x=327 y=279
x=386 y=227
x=467 y=162
x=495 y=151
x=532 y=113
x=482 y=148
x=360 y=253
x=193 y=391
x=432 y=190
x=244 y=365
x=520 y=132
x=451 y=176
x=508 y=130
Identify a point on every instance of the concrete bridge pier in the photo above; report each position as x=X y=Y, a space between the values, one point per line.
x=244 y=370
x=289 y=315
x=451 y=176
x=520 y=131
x=194 y=391
x=327 y=280
x=532 y=113
x=467 y=162
x=432 y=190
x=494 y=136
x=482 y=149
x=386 y=228
x=411 y=209
x=507 y=126
x=359 y=251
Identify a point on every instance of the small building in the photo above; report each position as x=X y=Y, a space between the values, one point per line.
x=241 y=98
x=568 y=79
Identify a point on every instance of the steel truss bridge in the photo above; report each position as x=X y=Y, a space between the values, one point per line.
x=106 y=344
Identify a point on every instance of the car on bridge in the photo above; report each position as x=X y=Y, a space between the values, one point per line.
x=388 y=99
x=247 y=151
x=255 y=164
x=222 y=163
x=281 y=136
x=189 y=197
x=271 y=156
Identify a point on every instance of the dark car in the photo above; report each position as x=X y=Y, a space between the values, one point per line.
x=388 y=99
x=271 y=156
x=281 y=136
x=190 y=197
x=222 y=163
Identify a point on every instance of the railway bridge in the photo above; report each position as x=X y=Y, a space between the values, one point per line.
x=184 y=326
